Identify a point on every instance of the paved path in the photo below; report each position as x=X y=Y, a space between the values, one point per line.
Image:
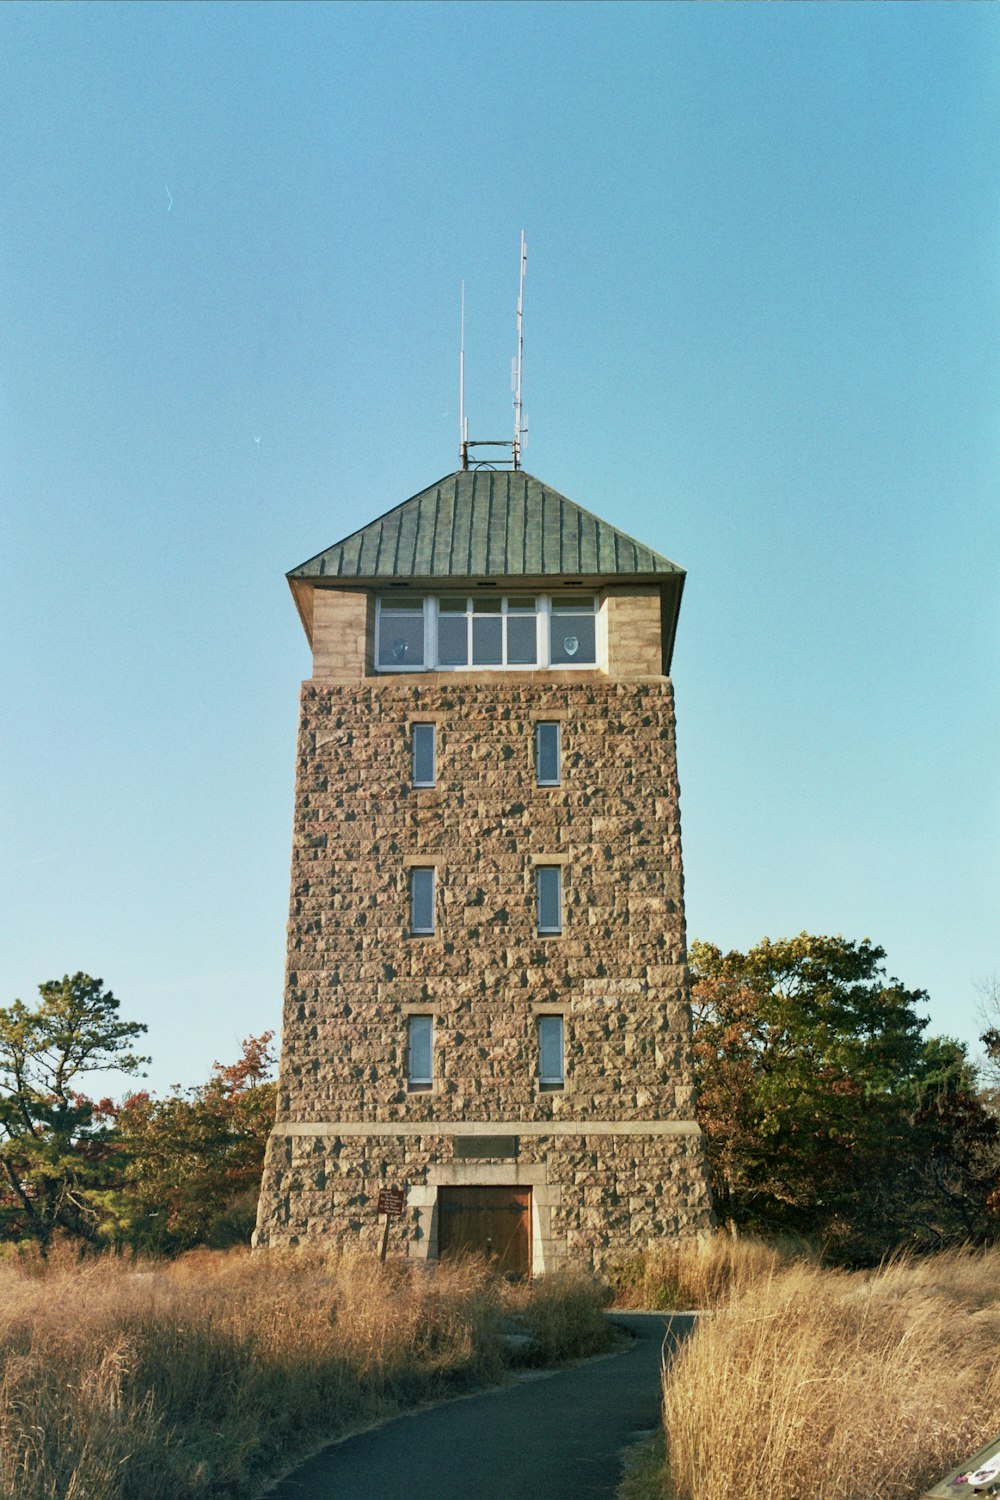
x=556 y=1437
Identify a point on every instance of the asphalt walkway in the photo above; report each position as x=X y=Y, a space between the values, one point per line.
x=551 y=1437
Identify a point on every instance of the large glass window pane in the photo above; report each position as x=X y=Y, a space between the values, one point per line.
x=549 y=891
x=422 y=899
x=424 y=768
x=453 y=640
x=573 y=632
x=401 y=636
x=547 y=747
x=420 y=1044
x=551 y=1066
x=487 y=640
x=522 y=640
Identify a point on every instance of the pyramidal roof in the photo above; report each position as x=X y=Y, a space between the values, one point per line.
x=482 y=523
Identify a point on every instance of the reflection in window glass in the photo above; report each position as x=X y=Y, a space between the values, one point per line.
x=573 y=631
x=401 y=634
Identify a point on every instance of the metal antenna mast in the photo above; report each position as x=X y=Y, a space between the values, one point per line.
x=520 y=425
x=518 y=429
x=463 y=426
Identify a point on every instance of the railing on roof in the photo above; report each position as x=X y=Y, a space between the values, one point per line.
x=485 y=463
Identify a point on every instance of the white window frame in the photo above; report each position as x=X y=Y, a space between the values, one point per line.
x=419 y=1082
x=572 y=666
x=403 y=601
x=556 y=1024
x=543 y=628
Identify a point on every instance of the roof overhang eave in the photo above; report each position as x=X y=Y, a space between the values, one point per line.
x=513 y=581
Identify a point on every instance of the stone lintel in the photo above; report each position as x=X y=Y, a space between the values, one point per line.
x=485 y=1127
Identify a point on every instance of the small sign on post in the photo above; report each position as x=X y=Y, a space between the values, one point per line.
x=390 y=1203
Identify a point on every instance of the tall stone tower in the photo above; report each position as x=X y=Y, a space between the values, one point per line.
x=487 y=998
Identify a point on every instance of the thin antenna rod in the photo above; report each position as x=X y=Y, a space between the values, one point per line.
x=463 y=431
x=520 y=356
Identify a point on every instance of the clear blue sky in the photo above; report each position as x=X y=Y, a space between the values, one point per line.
x=762 y=326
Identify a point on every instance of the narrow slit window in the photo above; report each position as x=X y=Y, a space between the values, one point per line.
x=548 y=886
x=424 y=754
x=548 y=771
x=420 y=1052
x=551 y=1063
x=422 y=899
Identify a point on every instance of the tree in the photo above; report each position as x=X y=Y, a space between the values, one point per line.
x=55 y=1146
x=824 y=1109
x=194 y=1159
x=989 y=1014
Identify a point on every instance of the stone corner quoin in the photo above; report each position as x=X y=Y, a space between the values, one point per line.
x=487 y=995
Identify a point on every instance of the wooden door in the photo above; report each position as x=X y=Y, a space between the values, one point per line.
x=490 y=1221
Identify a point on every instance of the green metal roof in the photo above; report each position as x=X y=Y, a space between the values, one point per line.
x=481 y=523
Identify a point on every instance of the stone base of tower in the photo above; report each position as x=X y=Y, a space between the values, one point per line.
x=590 y=1194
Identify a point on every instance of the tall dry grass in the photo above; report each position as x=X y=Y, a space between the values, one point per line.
x=204 y=1377
x=838 y=1386
x=698 y=1273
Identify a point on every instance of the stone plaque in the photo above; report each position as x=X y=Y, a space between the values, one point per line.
x=479 y=1147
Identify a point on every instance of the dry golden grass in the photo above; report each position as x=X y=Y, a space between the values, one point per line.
x=204 y=1377
x=838 y=1386
x=697 y=1273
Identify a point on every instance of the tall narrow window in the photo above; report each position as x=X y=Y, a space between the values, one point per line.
x=551 y=1065
x=422 y=899
x=548 y=887
x=547 y=754
x=424 y=754
x=420 y=1052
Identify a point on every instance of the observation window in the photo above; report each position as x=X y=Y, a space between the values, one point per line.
x=452 y=632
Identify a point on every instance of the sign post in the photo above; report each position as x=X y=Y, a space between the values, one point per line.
x=390 y=1203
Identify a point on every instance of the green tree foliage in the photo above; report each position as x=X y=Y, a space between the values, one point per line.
x=57 y=1156
x=194 y=1159
x=825 y=1110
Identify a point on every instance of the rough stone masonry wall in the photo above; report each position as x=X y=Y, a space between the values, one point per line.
x=597 y=1196
x=617 y=969
x=617 y=972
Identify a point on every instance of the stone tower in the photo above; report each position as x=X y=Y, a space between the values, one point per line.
x=487 y=999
